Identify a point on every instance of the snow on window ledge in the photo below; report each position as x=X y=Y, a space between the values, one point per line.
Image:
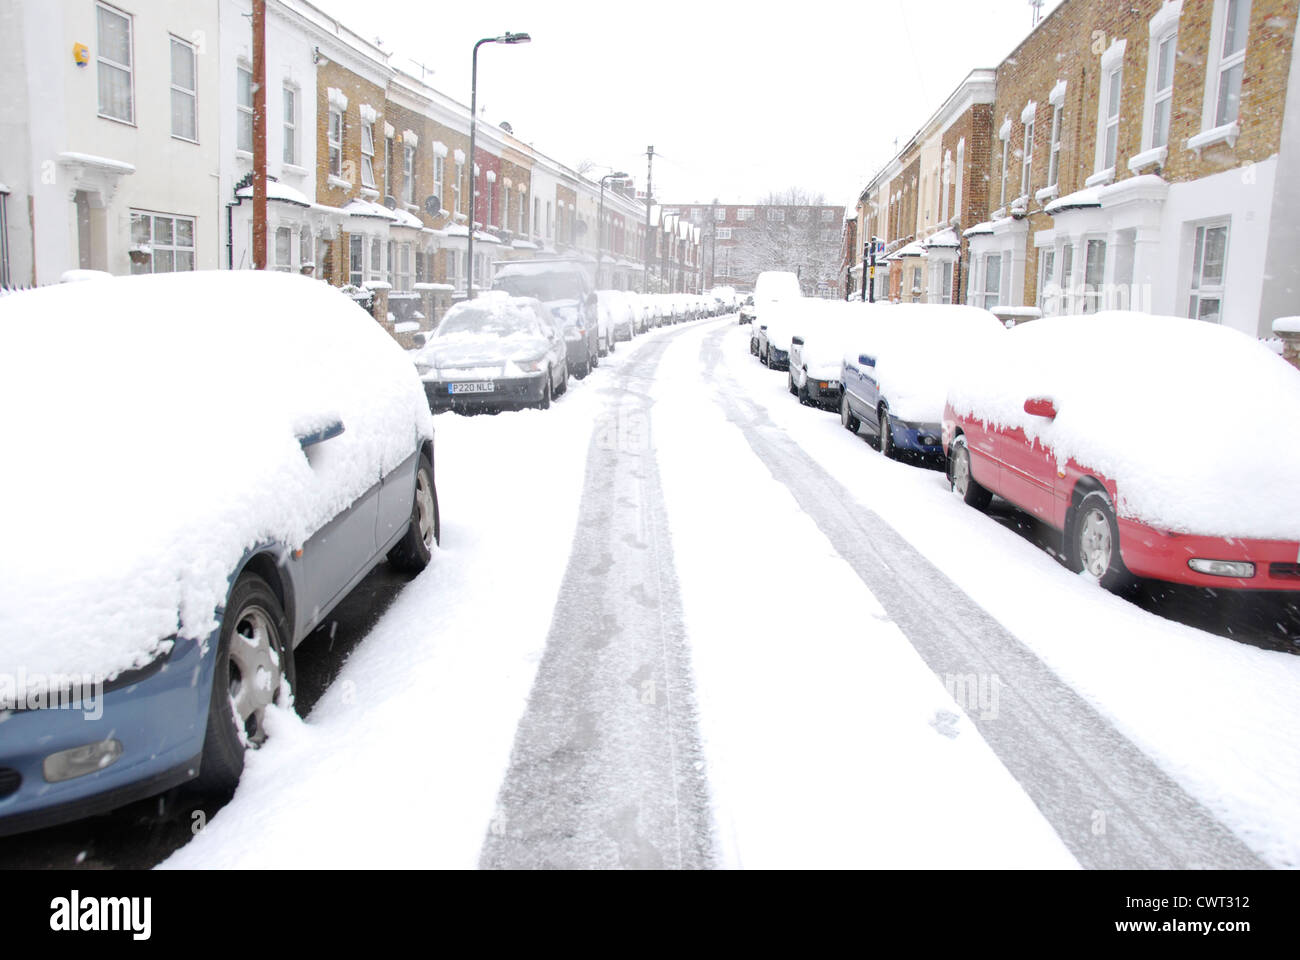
x=1101 y=178
x=337 y=98
x=293 y=170
x=1048 y=193
x=1155 y=157
x=339 y=182
x=1000 y=213
x=244 y=155
x=370 y=193
x=1228 y=133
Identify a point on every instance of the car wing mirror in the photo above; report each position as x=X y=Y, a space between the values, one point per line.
x=328 y=432
x=1041 y=407
x=797 y=340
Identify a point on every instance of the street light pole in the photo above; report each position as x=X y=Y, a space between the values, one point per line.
x=510 y=38
x=600 y=225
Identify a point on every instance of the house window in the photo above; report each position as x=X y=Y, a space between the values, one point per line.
x=828 y=216
x=367 y=154
x=356 y=261
x=244 y=109
x=1047 y=292
x=945 y=282
x=1027 y=161
x=724 y=233
x=290 y=125
x=487 y=213
x=1232 y=61
x=408 y=173
x=1006 y=144
x=745 y=213
x=549 y=231
x=1054 y=155
x=335 y=140
x=992 y=280
x=1067 y=278
x=1208 y=258
x=283 y=249
x=404 y=267
x=961 y=178
x=305 y=247
x=1110 y=117
x=719 y=214
x=376 y=259
x=1094 y=275
x=169 y=240
x=114 y=56
x=537 y=215
x=775 y=215
x=439 y=169
x=184 y=92
x=455 y=187
x=1163 y=92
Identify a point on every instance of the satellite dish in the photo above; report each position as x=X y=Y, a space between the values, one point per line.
x=432 y=206
x=390 y=203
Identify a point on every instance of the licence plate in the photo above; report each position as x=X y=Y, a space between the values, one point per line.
x=478 y=386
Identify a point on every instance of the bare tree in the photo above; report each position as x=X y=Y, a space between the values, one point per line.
x=788 y=235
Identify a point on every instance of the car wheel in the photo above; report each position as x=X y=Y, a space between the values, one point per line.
x=962 y=480
x=582 y=371
x=414 y=551
x=254 y=665
x=849 y=421
x=1094 y=543
x=564 y=384
x=593 y=358
x=545 y=402
x=886 y=436
x=789 y=382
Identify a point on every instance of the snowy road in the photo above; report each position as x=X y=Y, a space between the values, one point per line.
x=680 y=621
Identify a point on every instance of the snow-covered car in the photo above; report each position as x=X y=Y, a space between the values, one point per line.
x=566 y=288
x=495 y=352
x=898 y=365
x=1116 y=447
x=824 y=329
x=776 y=300
x=747 y=314
x=616 y=315
x=226 y=456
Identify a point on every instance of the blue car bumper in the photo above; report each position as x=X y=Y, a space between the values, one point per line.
x=924 y=438
x=159 y=719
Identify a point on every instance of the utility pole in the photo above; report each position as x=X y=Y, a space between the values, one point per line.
x=259 y=134
x=649 y=199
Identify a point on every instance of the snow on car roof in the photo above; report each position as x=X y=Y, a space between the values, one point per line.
x=144 y=463
x=1190 y=419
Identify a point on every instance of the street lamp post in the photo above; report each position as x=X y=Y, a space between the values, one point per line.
x=510 y=38
x=600 y=225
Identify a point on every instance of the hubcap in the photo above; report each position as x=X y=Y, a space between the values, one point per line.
x=1095 y=543
x=960 y=472
x=254 y=670
x=844 y=411
x=424 y=507
x=884 y=433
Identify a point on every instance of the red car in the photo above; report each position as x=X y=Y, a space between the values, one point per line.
x=1189 y=512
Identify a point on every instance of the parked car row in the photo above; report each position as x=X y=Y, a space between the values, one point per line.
x=1097 y=425
x=518 y=345
x=144 y=639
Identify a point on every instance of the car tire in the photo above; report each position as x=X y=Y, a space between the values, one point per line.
x=254 y=611
x=545 y=402
x=1093 y=543
x=414 y=551
x=789 y=383
x=962 y=480
x=887 y=448
x=847 y=419
x=564 y=384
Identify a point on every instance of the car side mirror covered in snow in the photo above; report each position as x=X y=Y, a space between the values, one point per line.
x=327 y=432
x=1041 y=407
x=797 y=341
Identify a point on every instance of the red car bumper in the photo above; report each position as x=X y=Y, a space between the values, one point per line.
x=1164 y=556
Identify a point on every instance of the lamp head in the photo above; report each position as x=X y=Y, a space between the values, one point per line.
x=515 y=38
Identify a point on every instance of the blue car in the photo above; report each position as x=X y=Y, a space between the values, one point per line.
x=257 y=444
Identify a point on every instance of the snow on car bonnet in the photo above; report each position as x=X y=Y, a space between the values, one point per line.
x=144 y=461
x=1194 y=422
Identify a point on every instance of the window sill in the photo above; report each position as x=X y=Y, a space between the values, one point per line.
x=411 y=207
x=244 y=155
x=293 y=170
x=370 y=193
x=1048 y=193
x=1101 y=178
x=338 y=182
x=1228 y=133
x=1148 y=158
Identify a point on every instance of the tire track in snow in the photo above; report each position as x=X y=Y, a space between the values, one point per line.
x=606 y=769
x=1109 y=803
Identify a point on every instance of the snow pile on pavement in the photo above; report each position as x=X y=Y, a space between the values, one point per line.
x=918 y=348
x=142 y=464
x=1193 y=421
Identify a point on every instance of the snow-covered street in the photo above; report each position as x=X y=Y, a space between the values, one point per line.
x=681 y=620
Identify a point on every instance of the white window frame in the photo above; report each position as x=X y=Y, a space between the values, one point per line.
x=1094 y=294
x=155 y=245
x=745 y=213
x=334 y=141
x=243 y=112
x=1112 y=75
x=285 y=265
x=1048 y=288
x=1054 y=150
x=368 y=154
x=1197 y=289
x=102 y=62
x=439 y=172
x=1217 y=65
x=1027 y=161
x=289 y=124
x=985 y=293
x=356 y=260
x=775 y=215
x=408 y=172
x=192 y=93
x=1005 y=136
x=456 y=188
x=1163 y=29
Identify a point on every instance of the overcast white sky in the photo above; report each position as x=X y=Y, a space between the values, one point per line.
x=739 y=99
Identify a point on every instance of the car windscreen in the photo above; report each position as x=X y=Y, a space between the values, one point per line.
x=482 y=321
x=544 y=286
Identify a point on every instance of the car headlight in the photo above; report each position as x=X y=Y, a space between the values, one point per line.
x=531 y=365
x=1223 y=568
x=423 y=368
x=573 y=333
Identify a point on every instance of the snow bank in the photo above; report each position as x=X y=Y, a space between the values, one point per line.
x=1194 y=422
x=143 y=466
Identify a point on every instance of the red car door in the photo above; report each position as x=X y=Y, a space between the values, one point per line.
x=1028 y=473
